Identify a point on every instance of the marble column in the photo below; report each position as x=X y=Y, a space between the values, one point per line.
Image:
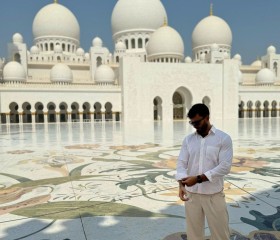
x=33 y=117
x=45 y=117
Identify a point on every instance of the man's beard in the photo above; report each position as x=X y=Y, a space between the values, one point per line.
x=202 y=130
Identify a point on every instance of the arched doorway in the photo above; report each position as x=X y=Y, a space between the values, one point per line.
x=266 y=109
x=258 y=109
x=157 y=108
x=241 y=110
x=51 y=112
x=63 y=112
x=206 y=100
x=97 y=112
x=75 y=112
x=182 y=102
x=249 y=109
x=178 y=109
x=86 y=111
x=39 y=113
x=14 y=116
x=108 y=111
x=26 y=115
x=274 y=109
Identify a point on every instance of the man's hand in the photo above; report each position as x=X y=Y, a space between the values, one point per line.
x=189 y=181
x=182 y=192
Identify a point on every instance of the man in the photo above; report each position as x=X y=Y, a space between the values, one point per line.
x=205 y=158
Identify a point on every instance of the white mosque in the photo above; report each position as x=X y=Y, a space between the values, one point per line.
x=146 y=77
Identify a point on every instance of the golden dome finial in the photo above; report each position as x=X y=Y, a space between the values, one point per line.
x=55 y=1
x=211 y=9
x=165 y=22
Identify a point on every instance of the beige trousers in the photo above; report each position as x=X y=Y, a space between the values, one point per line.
x=212 y=206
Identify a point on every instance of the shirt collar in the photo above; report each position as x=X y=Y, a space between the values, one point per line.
x=212 y=129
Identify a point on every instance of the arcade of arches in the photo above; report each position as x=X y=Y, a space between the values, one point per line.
x=258 y=109
x=61 y=113
x=181 y=99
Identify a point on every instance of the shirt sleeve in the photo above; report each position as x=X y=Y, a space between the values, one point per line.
x=225 y=161
x=182 y=162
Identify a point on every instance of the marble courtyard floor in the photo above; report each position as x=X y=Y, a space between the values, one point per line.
x=105 y=181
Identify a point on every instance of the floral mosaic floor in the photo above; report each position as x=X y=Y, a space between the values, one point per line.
x=97 y=181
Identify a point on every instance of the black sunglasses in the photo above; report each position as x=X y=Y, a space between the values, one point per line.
x=195 y=123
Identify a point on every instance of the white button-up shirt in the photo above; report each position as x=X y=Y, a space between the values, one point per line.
x=211 y=155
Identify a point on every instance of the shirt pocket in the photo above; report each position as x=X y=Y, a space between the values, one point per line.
x=212 y=154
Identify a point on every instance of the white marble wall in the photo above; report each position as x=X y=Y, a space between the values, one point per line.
x=142 y=82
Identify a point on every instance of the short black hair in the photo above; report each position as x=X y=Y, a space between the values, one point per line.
x=200 y=109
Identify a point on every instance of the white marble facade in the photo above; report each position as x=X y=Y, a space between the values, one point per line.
x=147 y=77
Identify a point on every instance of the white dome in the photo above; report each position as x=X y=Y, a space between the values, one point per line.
x=97 y=42
x=165 y=41
x=80 y=52
x=104 y=74
x=265 y=76
x=137 y=15
x=211 y=30
x=61 y=73
x=106 y=51
x=14 y=71
x=237 y=57
x=55 y=20
x=188 y=59
x=87 y=56
x=17 y=38
x=120 y=46
x=34 y=50
x=58 y=49
x=257 y=63
x=271 y=50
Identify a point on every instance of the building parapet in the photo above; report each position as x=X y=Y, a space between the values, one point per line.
x=66 y=86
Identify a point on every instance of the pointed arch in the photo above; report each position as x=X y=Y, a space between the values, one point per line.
x=182 y=102
x=26 y=114
x=14 y=115
x=86 y=112
x=274 y=109
x=241 y=110
x=39 y=112
x=51 y=112
x=258 y=109
x=97 y=111
x=75 y=112
x=63 y=112
x=266 y=109
x=108 y=111
x=249 y=109
x=157 y=108
x=207 y=101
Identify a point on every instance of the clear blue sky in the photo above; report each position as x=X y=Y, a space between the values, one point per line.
x=254 y=23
